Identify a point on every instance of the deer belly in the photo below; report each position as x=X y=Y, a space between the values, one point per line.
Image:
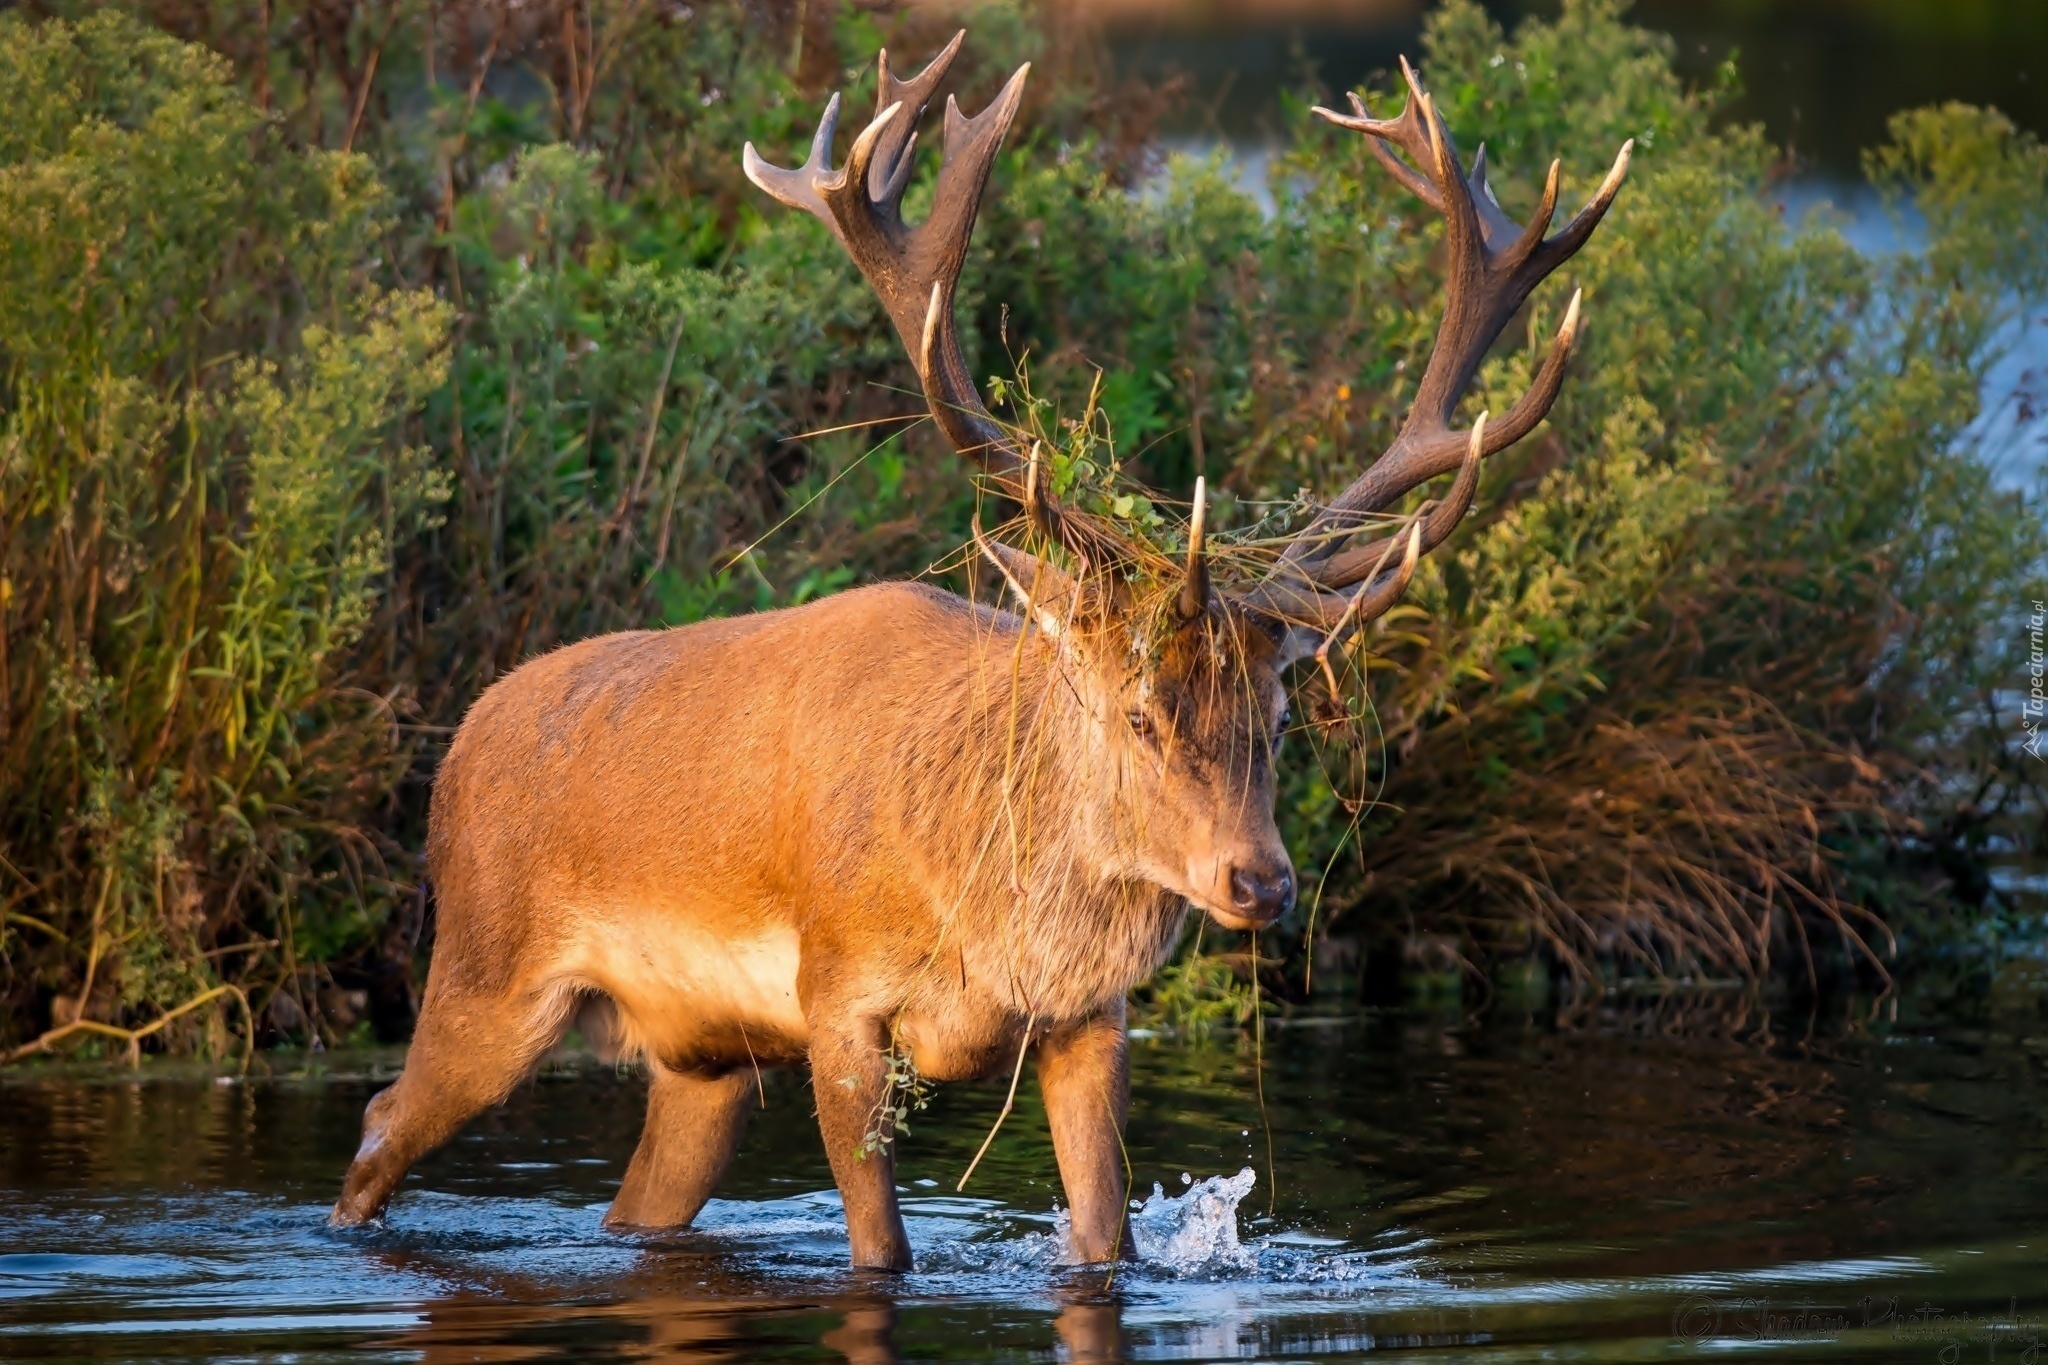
x=692 y=997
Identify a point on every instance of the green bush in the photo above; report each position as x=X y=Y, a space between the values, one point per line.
x=203 y=388
x=303 y=447
x=1715 y=662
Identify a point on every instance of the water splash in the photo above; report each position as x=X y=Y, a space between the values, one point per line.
x=1195 y=1233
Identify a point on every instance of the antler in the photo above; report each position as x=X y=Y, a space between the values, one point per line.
x=1194 y=586
x=915 y=270
x=1494 y=264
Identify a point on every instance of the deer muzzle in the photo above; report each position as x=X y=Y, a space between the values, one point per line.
x=1259 y=890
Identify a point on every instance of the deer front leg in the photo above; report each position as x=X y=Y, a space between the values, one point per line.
x=1084 y=1074
x=850 y=1080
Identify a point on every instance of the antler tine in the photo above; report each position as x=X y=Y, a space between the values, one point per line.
x=893 y=155
x=1419 y=131
x=1405 y=130
x=1291 y=596
x=1194 y=588
x=1495 y=226
x=971 y=144
x=1539 y=222
x=1494 y=264
x=914 y=271
x=799 y=188
x=1429 y=455
x=1557 y=250
x=1362 y=561
x=1375 y=600
x=1311 y=600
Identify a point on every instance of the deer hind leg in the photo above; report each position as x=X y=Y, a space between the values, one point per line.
x=467 y=1054
x=694 y=1123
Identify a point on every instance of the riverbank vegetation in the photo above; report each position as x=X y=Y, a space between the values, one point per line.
x=351 y=354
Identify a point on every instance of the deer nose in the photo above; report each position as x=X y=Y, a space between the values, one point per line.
x=1262 y=893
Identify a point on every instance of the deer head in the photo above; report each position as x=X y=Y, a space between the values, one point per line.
x=1177 y=680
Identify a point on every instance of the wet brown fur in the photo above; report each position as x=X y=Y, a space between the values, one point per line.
x=888 y=819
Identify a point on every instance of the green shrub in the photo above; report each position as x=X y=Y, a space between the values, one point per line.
x=1707 y=685
x=1716 y=658
x=201 y=481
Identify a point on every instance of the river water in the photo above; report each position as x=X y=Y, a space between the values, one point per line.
x=1822 y=76
x=1685 y=1179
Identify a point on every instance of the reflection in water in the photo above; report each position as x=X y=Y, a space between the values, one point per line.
x=683 y=1328
x=1795 y=1188
x=862 y=1329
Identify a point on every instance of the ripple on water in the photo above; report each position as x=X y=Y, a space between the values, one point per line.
x=242 y=1259
x=1473 y=1210
x=223 y=1262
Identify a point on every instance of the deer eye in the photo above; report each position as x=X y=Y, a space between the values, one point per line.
x=1141 y=725
x=1280 y=725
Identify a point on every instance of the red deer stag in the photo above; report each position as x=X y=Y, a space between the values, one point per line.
x=892 y=823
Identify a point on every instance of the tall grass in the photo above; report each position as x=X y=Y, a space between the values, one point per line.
x=353 y=353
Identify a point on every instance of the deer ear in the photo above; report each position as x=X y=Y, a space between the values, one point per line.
x=1045 y=592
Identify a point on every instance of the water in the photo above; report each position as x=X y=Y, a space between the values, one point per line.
x=1499 y=1192
x=1822 y=76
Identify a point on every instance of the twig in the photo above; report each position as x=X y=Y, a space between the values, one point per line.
x=801 y=508
x=240 y=947
x=1259 y=1077
x=355 y=118
x=629 y=496
x=133 y=1037
x=759 y=1089
x=1123 y=1219
x=16 y=917
x=1009 y=1102
x=26 y=880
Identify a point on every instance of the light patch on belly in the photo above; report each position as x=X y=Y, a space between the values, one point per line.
x=673 y=978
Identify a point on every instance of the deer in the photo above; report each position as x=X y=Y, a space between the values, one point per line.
x=897 y=827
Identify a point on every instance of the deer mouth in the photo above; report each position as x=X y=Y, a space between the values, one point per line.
x=1243 y=923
